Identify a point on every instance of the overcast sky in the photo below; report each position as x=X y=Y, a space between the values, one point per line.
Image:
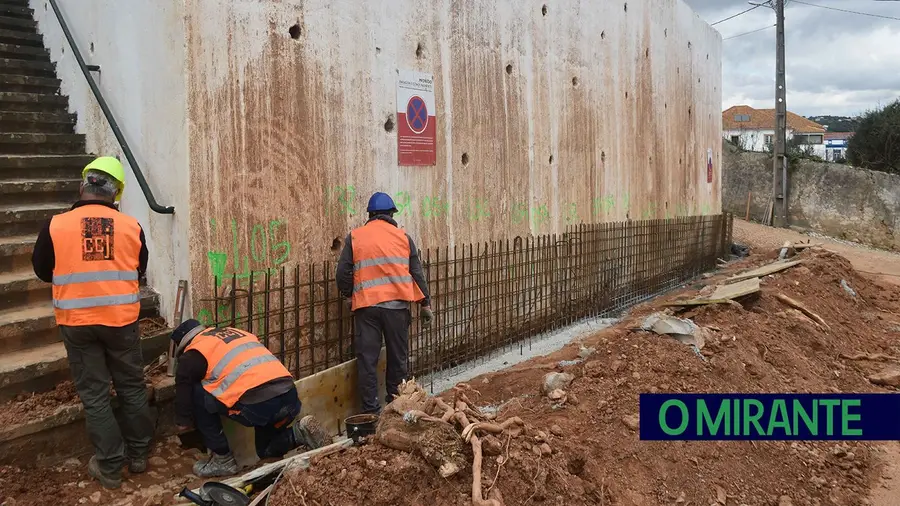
x=837 y=63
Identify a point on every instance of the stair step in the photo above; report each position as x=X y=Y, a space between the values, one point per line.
x=33 y=102
x=23 y=38
x=28 y=326
x=40 y=122
x=32 y=358
x=27 y=143
x=24 y=52
x=16 y=11
x=15 y=252
x=17 y=23
x=28 y=191
x=21 y=219
x=21 y=287
x=15 y=66
x=43 y=166
x=29 y=84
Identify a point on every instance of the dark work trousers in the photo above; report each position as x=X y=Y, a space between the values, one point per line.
x=371 y=323
x=98 y=353
x=270 y=420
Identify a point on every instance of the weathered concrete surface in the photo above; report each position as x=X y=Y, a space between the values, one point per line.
x=585 y=111
x=836 y=200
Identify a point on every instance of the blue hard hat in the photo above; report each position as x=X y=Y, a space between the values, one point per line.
x=381 y=202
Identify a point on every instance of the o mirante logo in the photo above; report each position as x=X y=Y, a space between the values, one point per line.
x=770 y=416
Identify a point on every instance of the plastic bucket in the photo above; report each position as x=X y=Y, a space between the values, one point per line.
x=360 y=426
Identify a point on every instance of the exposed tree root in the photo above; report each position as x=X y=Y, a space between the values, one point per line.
x=428 y=425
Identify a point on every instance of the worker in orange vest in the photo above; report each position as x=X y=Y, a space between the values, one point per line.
x=380 y=272
x=228 y=372
x=94 y=256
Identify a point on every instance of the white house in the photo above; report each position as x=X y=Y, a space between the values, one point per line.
x=754 y=130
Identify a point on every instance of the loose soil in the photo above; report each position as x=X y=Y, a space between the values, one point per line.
x=597 y=458
x=595 y=454
x=69 y=483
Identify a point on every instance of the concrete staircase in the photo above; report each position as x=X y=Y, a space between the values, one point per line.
x=41 y=158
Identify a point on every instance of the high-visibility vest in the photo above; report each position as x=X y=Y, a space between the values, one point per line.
x=95 y=277
x=236 y=362
x=381 y=266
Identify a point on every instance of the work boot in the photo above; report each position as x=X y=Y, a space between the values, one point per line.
x=216 y=465
x=309 y=433
x=107 y=481
x=137 y=465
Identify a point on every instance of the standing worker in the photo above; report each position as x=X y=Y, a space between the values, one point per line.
x=228 y=372
x=380 y=272
x=94 y=256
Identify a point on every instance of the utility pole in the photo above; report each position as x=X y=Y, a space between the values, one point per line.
x=779 y=161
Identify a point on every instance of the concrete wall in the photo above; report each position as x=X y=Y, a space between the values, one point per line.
x=836 y=200
x=584 y=111
x=140 y=47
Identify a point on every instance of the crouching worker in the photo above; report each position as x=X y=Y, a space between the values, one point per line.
x=228 y=372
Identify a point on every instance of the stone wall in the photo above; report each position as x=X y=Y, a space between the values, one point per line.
x=837 y=200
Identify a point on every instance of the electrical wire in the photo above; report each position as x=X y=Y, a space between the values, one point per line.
x=847 y=11
x=748 y=33
x=736 y=15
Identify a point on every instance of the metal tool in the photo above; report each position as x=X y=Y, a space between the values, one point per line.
x=213 y=493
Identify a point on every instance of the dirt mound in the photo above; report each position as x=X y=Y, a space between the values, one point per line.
x=760 y=345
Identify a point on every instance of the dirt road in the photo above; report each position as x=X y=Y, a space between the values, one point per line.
x=864 y=259
x=886 y=266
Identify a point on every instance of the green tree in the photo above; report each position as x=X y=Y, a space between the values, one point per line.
x=876 y=144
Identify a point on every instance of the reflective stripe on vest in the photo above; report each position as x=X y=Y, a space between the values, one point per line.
x=85 y=277
x=239 y=371
x=103 y=300
x=95 y=276
x=381 y=281
x=236 y=363
x=381 y=265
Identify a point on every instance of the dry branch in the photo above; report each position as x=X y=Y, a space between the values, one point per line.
x=803 y=309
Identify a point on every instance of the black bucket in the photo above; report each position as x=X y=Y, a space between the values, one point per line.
x=360 y=426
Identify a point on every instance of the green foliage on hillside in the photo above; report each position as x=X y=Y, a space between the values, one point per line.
x=876 y=144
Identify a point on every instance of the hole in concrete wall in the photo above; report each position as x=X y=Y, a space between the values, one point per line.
x=551 y=159
x=575 y=81
x=92 y=47
x=465 y=158
x=295 y=31
x=690 y=45
x=666 y=105
x=690 y=111
x=707 y=56
x=420 y=50
x=377 y=50
x=666 y=32
x=336 y=244
x=626 y=6
x=647 y=53
x=389 y=124
x=509 y=68
x=62 y=50
x=626 y=94
x=603 y=157
x=680 y=161
x=678 y=70
x=45 y=6
x=544 y=10
x=602 y=35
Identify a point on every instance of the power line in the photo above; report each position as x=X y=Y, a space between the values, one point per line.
x=736 y=15
x=748 y=33
x=847 y=11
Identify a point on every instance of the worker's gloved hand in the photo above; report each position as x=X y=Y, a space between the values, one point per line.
x=427 y=315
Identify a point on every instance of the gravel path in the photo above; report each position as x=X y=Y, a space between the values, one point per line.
x=865 y=259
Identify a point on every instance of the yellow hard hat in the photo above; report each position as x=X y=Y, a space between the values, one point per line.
x=109 y=165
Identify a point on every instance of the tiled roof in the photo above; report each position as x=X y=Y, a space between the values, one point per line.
x=764 y=119
x=838 y=135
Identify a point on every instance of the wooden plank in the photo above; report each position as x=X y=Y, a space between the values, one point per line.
x=763 y=271
x=735 y=290
x=723 y=294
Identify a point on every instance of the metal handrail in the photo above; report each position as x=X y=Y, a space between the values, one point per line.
x=148 y=193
